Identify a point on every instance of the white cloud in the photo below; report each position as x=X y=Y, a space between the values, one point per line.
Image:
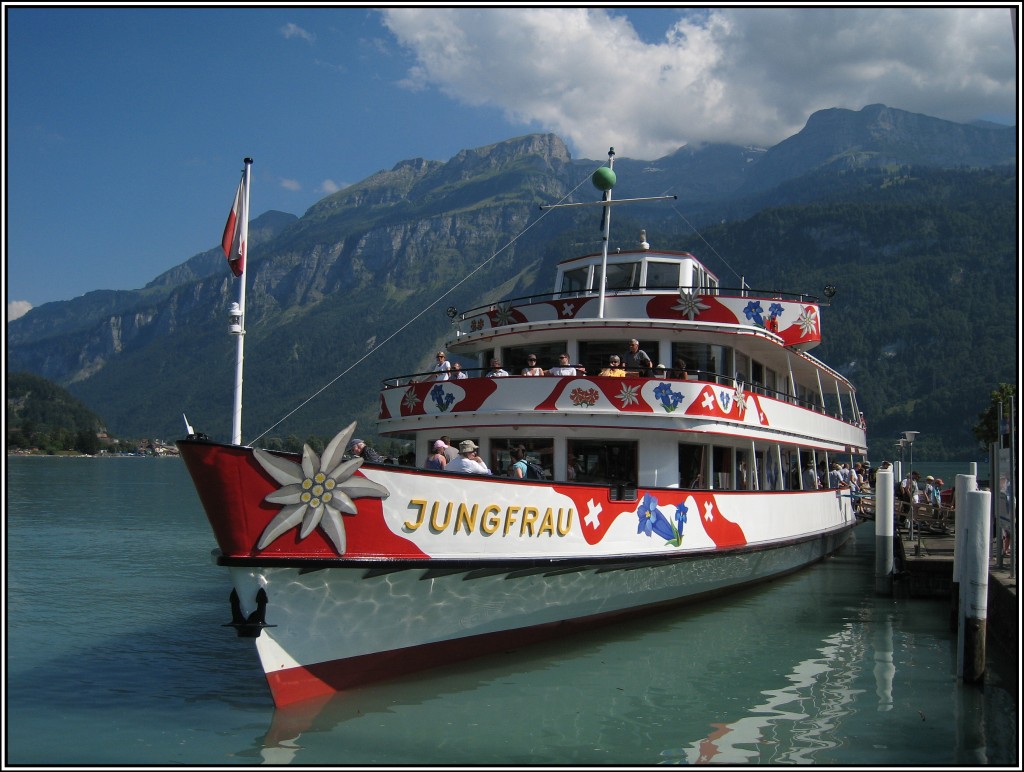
x=295 y=31
x=17 y=308
x=330 y=186
x=741 y=75
x=294 y=185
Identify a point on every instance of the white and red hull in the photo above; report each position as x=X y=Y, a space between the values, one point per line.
x=446 y=567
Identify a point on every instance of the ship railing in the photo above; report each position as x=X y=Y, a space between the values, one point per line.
x=694 y=375
x=925 y=517
x=654 y=289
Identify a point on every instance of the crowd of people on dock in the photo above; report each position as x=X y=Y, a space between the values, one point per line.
x=925 y=499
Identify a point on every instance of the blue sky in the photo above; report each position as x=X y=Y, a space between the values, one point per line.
x=126 y=127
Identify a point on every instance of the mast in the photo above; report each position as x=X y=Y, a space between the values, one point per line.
x=238 y=311
x=604 y=180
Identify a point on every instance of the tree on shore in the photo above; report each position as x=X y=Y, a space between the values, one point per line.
x=986 y=430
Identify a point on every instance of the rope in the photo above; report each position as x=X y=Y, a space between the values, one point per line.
x=390 y=337
x=701 y=237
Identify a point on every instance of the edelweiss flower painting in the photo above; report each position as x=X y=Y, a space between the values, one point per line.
x=690 y=304
x=317 y=491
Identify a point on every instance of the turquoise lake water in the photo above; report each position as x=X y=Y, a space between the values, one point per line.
x=116 y=654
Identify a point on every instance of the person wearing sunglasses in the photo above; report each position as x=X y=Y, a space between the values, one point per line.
x=563 y=367
x=531 y=366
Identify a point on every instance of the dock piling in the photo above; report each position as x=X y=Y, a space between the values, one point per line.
x=974 y=570
x=964 y=483
x=883 y=532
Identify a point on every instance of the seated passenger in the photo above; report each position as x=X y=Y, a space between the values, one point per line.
x=531 y=366
x=563 y=367
x=359 y=448
x=660 y=371
x=496 y=371
x=469 y=461
x=680 y=371
x=436 y=459
x=518 y=467
x=614 y=368
x=457 y=371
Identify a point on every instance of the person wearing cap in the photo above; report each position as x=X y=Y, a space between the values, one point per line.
x=910 y=486
x=614 y=368
x=932 y=494
x=660 y=371
x=469 y=461
x=436 y=460
x=531 y=366
x=359 y=448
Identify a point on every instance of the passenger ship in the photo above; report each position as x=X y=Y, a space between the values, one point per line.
x=658 y=489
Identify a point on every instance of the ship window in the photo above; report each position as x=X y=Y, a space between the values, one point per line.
x=538 y=449
x=662 y=275
x=744 y=471
x=721 y=472
x=742 y=373
x=768 y=471
x=575 y=280
x=691 y=466
x=704 y=362
x=547 y=356
x=602 y=461
x=757 y=377
x=594 y=355
x=623 y=276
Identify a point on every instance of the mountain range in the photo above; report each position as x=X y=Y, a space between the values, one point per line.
x=913 y=218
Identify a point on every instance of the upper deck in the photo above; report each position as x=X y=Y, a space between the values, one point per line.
x=664 y=289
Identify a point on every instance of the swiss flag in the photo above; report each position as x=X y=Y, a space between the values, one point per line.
x=233 y=241
x=713 y=403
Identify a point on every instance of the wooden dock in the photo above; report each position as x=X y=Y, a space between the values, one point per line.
x=928 y=573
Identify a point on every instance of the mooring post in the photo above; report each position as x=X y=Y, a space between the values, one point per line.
x=974 y=589
x=964 y=483
x=883 y=532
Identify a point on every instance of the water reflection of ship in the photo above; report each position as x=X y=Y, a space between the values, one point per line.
x=670 y=664
x=799 y=719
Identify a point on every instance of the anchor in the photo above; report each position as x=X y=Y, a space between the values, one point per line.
x=249 y=626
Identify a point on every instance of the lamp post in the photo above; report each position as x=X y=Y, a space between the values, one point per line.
x=899 y=470
x=909 y=438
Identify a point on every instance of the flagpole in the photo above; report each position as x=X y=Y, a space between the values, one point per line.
x=238 y=327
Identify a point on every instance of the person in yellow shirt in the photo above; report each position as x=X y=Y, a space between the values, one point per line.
x=614 y=368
